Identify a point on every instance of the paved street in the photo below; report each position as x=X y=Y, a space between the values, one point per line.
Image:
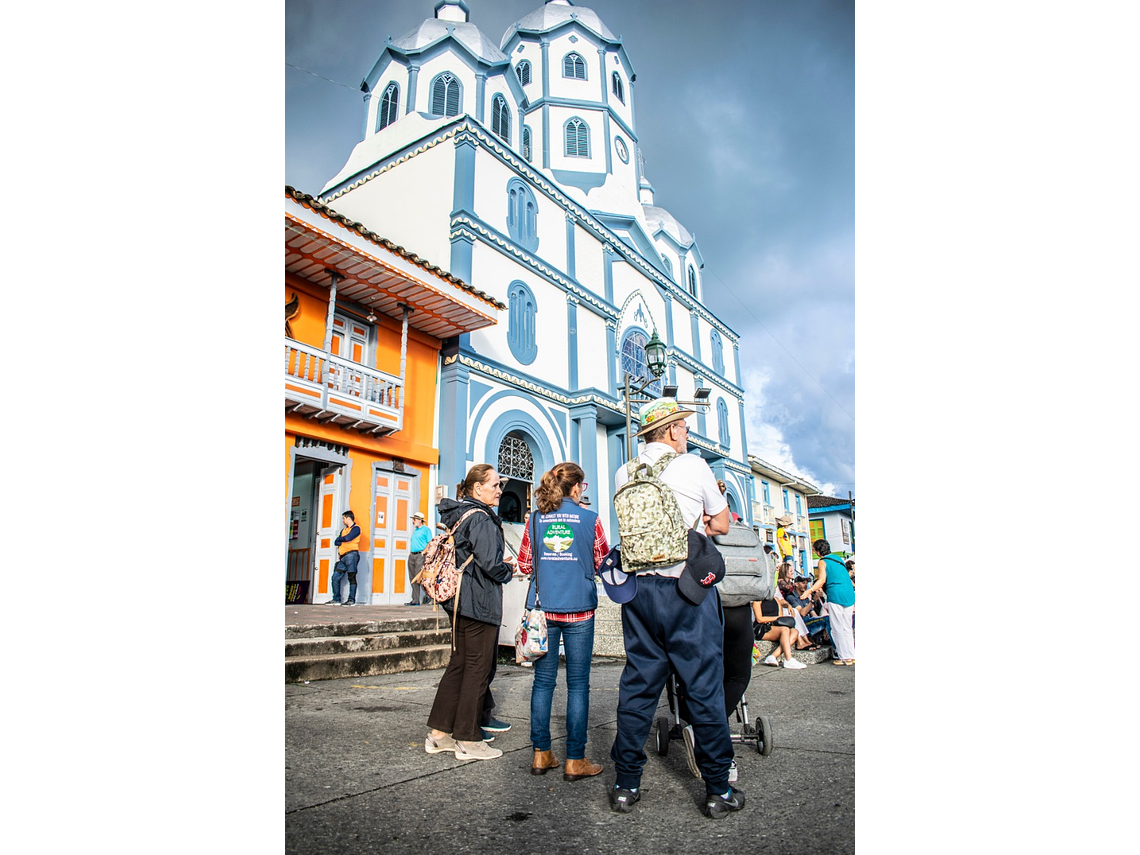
x=358 y=780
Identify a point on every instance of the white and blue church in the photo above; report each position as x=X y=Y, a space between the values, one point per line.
x=517 y=168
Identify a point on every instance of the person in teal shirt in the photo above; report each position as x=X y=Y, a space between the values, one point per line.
x=421 y=535
x=832 y=577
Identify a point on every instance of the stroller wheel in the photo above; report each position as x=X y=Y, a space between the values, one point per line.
x=764 y=741
x=662 y=732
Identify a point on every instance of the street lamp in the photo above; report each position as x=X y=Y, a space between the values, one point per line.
x=655 y=359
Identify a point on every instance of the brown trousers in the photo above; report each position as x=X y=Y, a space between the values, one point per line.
x=459 y=698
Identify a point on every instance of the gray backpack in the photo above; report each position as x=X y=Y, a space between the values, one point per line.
x=650 y=526
x=749 y=574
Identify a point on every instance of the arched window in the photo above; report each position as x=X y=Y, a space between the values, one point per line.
x=522 y=71
x=389 y=104
x=446 y=95
x=717 y=352
x=501 y=118
x=574 y=66
x=692 y=282
x=521 y=312
x=722 y=422
x=668 y=265
x=527 y=147
x=633 y=360
x=619 y=89
x=522 y=214
x=577 y=138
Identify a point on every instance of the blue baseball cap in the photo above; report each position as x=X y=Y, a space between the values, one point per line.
x=621 y=587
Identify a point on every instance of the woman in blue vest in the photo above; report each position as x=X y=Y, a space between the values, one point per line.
x=563 y=544
x=831 y=576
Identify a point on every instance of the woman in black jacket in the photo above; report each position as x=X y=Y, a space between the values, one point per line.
x=454 y=718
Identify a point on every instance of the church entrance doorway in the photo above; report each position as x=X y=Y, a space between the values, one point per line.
x=516 y=463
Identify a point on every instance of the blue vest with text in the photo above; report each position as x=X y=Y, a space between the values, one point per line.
x=563 y=556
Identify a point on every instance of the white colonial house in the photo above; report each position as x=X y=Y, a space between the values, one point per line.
x=779 y=493
x=516 y=167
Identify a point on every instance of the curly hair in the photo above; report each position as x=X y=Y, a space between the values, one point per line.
x=556 y=485
x=822 y=548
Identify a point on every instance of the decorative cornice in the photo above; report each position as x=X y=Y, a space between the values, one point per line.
x=541 y=391
x=702 y=370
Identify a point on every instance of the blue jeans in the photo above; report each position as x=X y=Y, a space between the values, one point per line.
x=578 y=639
x=349 y=561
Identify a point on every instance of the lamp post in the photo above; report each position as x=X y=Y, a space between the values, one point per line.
x=655 y=359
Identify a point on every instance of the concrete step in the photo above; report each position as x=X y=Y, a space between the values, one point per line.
x=331 y=645
x=366 y=663
x=424 y=621
x=417 y=640
x=808 y=657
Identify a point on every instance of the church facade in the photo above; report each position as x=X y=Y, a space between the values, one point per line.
x=516 y=167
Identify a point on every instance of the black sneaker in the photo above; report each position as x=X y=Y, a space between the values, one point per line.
x=623 y=800
x=496 y=726
x=334 y=603
x=718 y=807
x=349 y=603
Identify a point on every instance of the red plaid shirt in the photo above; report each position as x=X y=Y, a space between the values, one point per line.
x=526 y=566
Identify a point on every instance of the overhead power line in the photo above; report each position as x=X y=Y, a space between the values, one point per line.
x=329 y=79
x=761 y=323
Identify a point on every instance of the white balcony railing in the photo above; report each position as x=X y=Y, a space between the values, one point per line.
x=322 y=385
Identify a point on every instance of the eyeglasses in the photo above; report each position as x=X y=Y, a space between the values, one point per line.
x=683 y=424
x=585 y=486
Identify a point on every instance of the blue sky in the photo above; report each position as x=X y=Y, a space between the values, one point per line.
x=746 y=119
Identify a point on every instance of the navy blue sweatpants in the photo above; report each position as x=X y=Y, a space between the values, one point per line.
x=663 y=630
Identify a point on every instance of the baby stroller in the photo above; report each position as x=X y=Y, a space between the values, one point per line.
x=742 y=730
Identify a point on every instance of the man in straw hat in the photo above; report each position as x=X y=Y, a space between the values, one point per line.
x=421 y=534
x=672 y=623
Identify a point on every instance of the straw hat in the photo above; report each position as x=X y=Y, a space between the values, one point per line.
x=660 y=411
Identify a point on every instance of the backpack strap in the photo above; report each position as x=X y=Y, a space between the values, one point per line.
x=663 y=461
x=462 y=568
x=841 y=564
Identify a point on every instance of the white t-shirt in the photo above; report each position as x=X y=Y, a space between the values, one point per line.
x=693 y=484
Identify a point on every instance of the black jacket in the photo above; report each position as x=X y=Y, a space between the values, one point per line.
x=481 y=594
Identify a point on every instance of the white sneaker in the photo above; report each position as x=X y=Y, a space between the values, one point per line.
x=794 y=664
x=733 y=773
x=690 y=754
x=770 y=660
x=433 y=745
x=476 y=751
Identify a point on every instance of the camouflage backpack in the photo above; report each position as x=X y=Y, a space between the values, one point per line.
x=650 y=525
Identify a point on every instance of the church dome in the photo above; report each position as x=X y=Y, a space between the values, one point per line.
x=434 y=29
x=557 y=12
x=659 y=218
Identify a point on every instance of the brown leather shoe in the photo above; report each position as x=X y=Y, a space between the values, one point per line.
x=576 y=769
x=543 y=760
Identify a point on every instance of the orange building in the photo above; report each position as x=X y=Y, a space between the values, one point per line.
x=365 y=321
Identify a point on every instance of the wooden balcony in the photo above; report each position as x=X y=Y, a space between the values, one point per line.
x=332 y=389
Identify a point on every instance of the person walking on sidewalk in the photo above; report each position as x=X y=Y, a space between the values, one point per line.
x=568 y=545
x=348 y=547
x=832 y=577
x=421 y=536
x=665 y=630
x=454 y=717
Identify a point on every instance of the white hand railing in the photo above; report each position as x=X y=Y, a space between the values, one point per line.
x=340 y=385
